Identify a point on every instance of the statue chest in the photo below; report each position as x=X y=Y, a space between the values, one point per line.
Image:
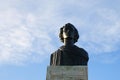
x=70 y=58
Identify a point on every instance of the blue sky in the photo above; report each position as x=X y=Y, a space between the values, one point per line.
x=29 y=34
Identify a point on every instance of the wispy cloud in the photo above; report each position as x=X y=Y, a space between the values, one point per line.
x=103 y=36
x=23 y=37
x=29 y=29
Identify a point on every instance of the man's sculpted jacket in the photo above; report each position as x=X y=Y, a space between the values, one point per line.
x=69 y=55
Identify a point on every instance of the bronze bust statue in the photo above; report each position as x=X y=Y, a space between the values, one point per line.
x=69 y=54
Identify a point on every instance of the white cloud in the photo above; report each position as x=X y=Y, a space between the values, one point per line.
x=23 y=38
x=28 y=28
x=104 y=35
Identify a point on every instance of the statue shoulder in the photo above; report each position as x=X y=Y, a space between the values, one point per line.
x=57 y=51
x=81 y=49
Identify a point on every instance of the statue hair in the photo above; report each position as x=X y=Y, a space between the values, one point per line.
x=76 y=35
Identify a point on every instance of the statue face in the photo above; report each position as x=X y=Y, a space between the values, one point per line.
x=68 y=32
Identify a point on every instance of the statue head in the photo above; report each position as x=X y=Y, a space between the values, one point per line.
x=68 y=32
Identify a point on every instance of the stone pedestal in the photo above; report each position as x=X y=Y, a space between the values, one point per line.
x=67 y=73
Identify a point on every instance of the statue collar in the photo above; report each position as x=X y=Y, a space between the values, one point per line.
x=68 y=47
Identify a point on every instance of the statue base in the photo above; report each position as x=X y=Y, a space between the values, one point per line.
x=67 y=73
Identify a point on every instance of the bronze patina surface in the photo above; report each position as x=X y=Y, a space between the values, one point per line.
x=69 y=54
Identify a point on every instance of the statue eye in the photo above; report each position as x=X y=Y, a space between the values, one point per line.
x=65 y=29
